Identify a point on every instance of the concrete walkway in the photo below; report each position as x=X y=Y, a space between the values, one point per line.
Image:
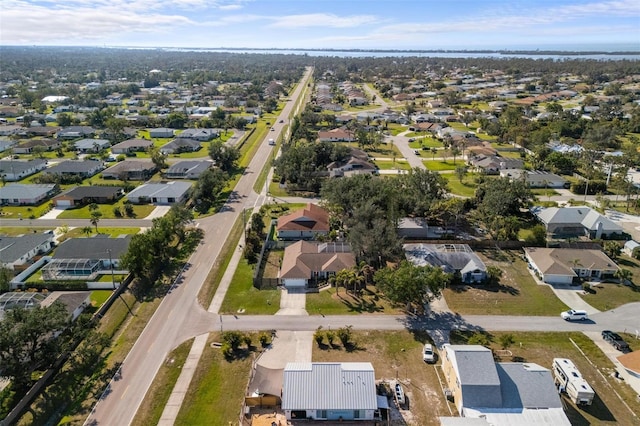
x=53 y=213
x=159 y=211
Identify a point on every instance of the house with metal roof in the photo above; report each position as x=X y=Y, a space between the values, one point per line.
x=91 y=145
x=329 y=391
x=303 y=224
x=162 y=132
x=20 y=194
x=503 y=394
x=189 y=169
x=164 y=193
x=578 y=221
x=202 y=135
x=18 y=251
x=79 y=168
x=536 y=178
x=14 y=170
x=452 y=258
x=565 y=265
x=305 y=262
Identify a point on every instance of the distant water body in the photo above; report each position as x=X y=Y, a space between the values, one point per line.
x=497 y=54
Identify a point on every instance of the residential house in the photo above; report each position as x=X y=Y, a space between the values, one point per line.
x=130 y=170
x=303 y=224
x=86 y=258
x=631 y=248
x=418 y=228
x=19 y=299
x=83 y=195
x=19 y=194
x=190 y=169
x=76 y=132
x=162 y=132
x=29 y=146
x=502 y=394
x=14 y=170
x=336 y=135
x=536 y=178
x=452 y=258
x=578 y=221
x=91 y=145
x=304 y=262
x=6 y=143
x=164 y=193
x=180 y=145
x=357 y=163
x=202 y=135
x=329 y=391
x=15 y=252
x=79 y=168
x=131 y=145
x=493 y=164
x=567 y=265
x=75 y=302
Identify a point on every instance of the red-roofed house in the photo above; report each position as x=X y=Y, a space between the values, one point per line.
x=304 y=224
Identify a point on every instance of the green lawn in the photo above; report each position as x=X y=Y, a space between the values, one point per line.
x=466 y=188
x=243 y=297
x=25 y=212
x=439 y=165
x=509 y=154
x=607 y=296
x=517 y=294
x=113 y=232
x=19 y=230
x=98 y=297
x=330 y=302
x=391 y=165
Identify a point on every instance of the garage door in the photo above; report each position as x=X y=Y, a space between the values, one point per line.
x=63 y=203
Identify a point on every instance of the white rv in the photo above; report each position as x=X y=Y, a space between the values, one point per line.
x=569 y=380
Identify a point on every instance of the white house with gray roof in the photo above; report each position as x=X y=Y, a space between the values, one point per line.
x=503 y=394
x=14 y=170
x=19 y=194
x=189 y=169
x=18 y=251
x=91 y=145
x=452 y=258
x=331 y=391
x=579 y=221
x=165 y=193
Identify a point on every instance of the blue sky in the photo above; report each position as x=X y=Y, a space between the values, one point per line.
x=359 y=24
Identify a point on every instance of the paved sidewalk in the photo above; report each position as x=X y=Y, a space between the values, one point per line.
x=613 y=354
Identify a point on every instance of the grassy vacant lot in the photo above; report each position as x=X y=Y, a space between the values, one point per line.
x=392 y=165
x=440 y=165
x=541 y=348
x=243 y=297
x=466 y=188
x=517 y=293
x=19 y=230
x=25 y=212
x=112 y=232
x=332 y=302
x=217 y=389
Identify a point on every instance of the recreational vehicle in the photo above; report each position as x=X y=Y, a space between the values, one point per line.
x=569 y=380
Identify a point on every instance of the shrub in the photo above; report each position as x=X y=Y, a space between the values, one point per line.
x=233 y=338
x=331 y=336
x=264 y=340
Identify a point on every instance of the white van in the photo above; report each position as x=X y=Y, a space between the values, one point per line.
x=272 y=141
x=574 y=315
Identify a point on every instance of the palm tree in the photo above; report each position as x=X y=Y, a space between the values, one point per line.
x=434 y=151
x=624 y=275
x=87 y=230
x=95 y=218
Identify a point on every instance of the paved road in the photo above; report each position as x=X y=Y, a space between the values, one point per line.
x=624 y=318
x=180 y=313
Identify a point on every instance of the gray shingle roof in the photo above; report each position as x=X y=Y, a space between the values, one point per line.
x=338 y=386
x=527 y=385
x=160 y=190
x=478 y=375
x=75 y=166
x=582 y=215
x=25 y=191
x=17 y=167
x=92 y=248
x=13 y=248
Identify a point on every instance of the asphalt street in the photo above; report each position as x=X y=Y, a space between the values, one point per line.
x=179 y=311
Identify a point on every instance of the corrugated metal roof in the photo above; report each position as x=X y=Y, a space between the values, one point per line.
x=329 y=386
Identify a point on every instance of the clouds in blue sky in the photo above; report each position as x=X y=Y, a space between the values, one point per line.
x=378 y=24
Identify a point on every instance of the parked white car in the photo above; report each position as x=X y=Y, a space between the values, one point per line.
x=427 y=354
x=574 y=315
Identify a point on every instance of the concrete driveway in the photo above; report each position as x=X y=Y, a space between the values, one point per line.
x=569 y=295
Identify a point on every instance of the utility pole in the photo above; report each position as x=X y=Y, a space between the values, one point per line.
x=113 y=280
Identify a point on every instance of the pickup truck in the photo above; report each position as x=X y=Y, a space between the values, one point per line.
x=616 y=340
